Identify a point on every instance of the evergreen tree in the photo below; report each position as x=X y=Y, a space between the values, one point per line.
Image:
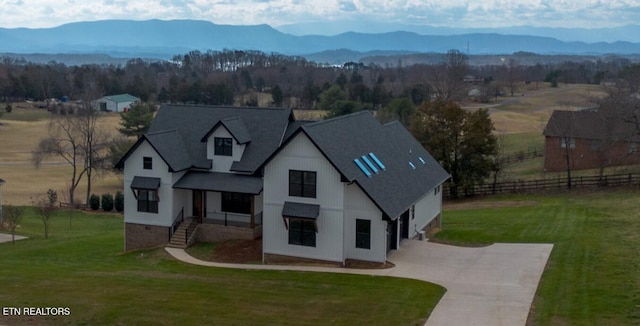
x=137 y=120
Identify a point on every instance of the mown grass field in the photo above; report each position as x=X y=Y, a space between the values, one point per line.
x=592 y=277
x=21 y=131
x=81 y=266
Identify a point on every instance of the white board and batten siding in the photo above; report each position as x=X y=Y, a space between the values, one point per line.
x=134 y=167
x=223 y=163
x=425 y=210
x=359 y=206
x=301 y=154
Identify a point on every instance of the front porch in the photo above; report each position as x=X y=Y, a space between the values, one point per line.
x=214 y=227
x=224 y=206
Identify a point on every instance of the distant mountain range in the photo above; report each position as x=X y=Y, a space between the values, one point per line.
x=628 y=33
x=163 y=39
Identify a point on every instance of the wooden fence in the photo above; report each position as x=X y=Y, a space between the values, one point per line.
x=511 y=158
x=542 y=185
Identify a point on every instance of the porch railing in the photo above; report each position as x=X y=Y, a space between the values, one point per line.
x=190 y=229
x=233 y=219
x=177 y=221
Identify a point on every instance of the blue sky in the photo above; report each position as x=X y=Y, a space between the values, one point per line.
x=449 y=13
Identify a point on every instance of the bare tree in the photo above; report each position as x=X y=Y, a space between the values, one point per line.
x=513 y=74
x=499 y=161
x=12 y=216
x=64 y=141
x=45 y=207
x=78 y=140
x=95 y=144
x=447 y=78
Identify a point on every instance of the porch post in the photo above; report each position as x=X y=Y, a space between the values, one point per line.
x=252 y=223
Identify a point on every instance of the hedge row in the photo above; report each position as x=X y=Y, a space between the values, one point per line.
x=107 y=201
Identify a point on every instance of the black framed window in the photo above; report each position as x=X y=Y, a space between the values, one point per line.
x=223 y=146
x=302 y=233
x=234 y=202
x=302 y=183
x=147 y=201
x=147 y=163
x=363 y=234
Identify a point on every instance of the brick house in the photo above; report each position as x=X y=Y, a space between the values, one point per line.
x=589 y=140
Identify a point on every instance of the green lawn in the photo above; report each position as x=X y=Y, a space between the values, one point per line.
x=593 y=275
x=81 y=266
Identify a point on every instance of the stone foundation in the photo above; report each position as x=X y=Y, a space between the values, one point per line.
x=290 y=260
x=220 y=233
x=433 y=225
x=140 y=236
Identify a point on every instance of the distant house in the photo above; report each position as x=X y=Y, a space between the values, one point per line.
x=589 y=139
x=470 y=79
x=115 y=103
x=332 y=190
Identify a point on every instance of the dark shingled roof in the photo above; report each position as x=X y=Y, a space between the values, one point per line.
x=224 y=182
x=596 y=125
x=236 y=127
x=300 y=210
x=399 y=186
x=177 y=131
x=145 y=183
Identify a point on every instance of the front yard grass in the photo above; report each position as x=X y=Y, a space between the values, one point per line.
x=81 y=266
x=592 y=275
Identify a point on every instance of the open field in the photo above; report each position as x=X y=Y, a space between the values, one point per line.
x=21 y=131
x=520 y=119
x=529 y=109
x=82 y=267
x=592 y=275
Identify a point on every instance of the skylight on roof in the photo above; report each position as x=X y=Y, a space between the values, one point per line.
x=369 y=164
x=362 y=168
x=412 y=165
x=378 y=162
x=421 y=160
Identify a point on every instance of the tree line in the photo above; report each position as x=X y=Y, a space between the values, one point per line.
x=422 y=97
x=219 y=77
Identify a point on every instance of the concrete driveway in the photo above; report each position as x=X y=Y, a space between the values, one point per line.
x=493 y=285
x=7 y=237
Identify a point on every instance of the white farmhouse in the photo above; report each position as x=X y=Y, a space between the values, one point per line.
x=333 y=190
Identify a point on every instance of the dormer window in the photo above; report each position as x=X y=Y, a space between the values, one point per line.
x=223 y=146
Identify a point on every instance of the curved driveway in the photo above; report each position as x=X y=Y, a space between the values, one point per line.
x=493 y=285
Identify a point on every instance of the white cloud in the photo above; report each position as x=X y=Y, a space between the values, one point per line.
x=460 y=13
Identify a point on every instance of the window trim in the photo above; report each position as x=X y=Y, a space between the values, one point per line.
x=363 y=243
x=303 y=189
x=147 y=205
x=570 y=140
x=236 y=204
x=147 y=163
x=310 y=232
x=223 y=146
